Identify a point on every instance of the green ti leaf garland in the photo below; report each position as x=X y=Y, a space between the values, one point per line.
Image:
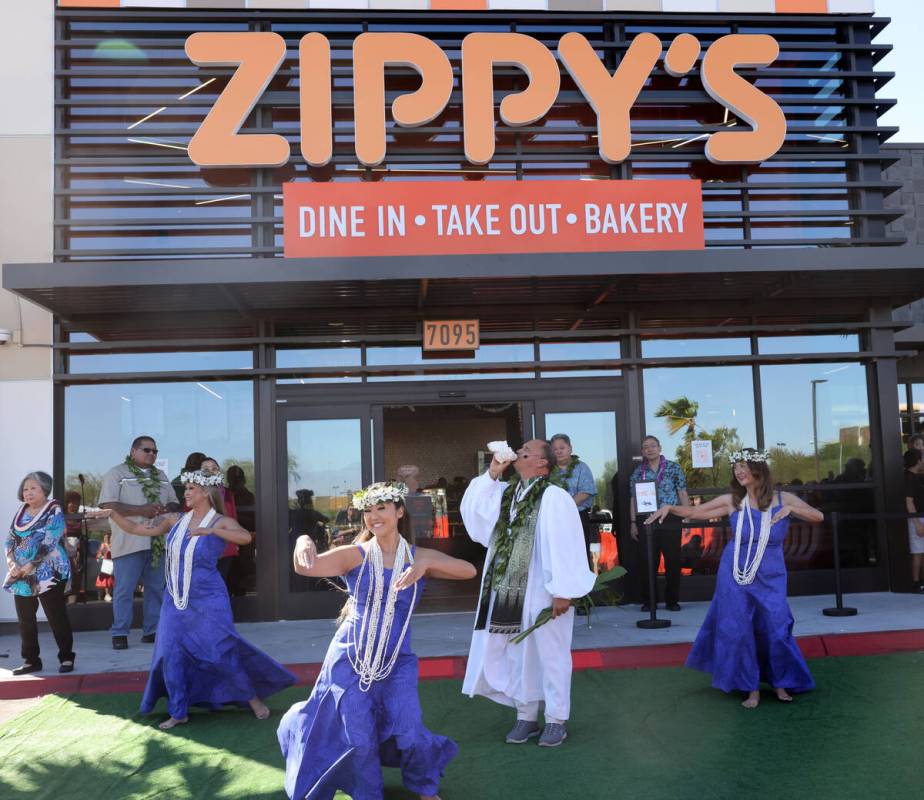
x=150 y=487
x=507 y=533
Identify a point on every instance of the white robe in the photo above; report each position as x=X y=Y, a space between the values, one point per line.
x=539 y=668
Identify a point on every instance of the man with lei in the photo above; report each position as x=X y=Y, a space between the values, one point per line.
x=536 y=559
x=138 y=491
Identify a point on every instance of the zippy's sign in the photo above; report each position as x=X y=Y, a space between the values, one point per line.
x=258 y=56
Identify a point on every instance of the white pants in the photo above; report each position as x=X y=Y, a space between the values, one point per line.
x=529 y=712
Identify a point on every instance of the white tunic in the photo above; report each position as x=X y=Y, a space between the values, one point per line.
x=539 y=668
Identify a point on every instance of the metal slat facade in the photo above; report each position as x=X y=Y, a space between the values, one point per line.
x=126 y=189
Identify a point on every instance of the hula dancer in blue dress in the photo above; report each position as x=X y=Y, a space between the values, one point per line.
x=364 y=711
x=199 y=658
x=747 y=636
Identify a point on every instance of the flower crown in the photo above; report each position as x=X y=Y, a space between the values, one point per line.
x=749 y=454
x=385 y=492
x=201 y=478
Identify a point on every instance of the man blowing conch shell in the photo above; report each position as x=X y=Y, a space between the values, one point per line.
x=536 y=559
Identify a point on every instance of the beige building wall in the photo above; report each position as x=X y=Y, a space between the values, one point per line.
x=26 y=215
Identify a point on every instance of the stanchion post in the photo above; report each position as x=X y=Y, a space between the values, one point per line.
x=652 y=621
x=839 y=609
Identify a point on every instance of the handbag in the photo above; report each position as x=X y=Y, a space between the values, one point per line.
x=106 y=566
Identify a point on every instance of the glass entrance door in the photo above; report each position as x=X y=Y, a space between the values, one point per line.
x=593 y=427
x=324 y=456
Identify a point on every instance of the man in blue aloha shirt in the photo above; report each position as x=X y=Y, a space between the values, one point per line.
x=671 y=485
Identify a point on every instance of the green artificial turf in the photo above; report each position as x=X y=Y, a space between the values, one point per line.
x=653 y=734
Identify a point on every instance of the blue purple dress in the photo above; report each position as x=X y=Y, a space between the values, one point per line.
x=199 y=658
x=747 y=636
x=342 y=736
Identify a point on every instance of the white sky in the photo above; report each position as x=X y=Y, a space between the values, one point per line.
x=905 y=34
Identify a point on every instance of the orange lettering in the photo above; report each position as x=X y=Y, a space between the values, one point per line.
x=314 y=99
x=480 y=53
x=760 y=111
x=372 y=52
x=257 y=56
x=611 y=96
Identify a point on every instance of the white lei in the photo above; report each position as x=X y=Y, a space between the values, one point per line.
x=366 y=648
x=746 y=576
x=180 y=594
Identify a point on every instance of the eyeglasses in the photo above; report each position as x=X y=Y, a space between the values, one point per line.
x=149 y=450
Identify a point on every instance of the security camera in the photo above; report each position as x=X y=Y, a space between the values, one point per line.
x=6 y=336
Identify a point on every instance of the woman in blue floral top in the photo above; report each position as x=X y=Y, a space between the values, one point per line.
x=38 y=569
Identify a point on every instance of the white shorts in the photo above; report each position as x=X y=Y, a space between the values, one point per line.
x=915 y=542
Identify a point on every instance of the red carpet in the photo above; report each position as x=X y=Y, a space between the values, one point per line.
x=660 y=655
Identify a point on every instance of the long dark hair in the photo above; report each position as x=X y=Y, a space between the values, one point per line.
x=764 y=492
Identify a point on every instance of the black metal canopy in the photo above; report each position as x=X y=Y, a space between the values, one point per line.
x=228 y=297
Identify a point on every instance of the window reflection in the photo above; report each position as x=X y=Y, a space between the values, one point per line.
x=676 y=348
x=211 y=417
x=829 y=343
x=321 y=357
x=477 y=366
x=159 y=362
x=579 y=351
x=714 y=403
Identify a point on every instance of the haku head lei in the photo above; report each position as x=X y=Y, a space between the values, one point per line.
x=751 y=455
x=201 y=478
x=378 y=493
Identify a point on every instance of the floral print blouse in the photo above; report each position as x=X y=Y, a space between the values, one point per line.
x=38 y=541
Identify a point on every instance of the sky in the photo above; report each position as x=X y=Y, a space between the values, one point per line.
x=904 y=34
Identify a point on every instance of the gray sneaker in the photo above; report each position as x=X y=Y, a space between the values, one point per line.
x=522 y=732
x=553 y=735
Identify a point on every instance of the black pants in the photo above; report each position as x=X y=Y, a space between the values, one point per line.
x=55 y=608
x=666 y=543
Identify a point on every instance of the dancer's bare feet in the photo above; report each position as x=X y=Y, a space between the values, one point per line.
x=172 y=722
x=752 y=700
x=260 y=709
x=782 y=695
x=429 y=797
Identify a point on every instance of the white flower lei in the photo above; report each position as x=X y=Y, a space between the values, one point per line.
x=368 y=639
x=201 y=478
x=180 y=594
x=378 y=493
x=754 y=456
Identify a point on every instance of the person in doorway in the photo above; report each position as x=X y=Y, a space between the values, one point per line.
x=137 y=490
x=244 y=568
x=104 y=579
x=671 y=487
x=536 y=559
x=364 y=710
x=914 y=504
x=916 y=442
x=578 y=481
x=75 y=544
x=199 y=657
x=37 y=572
x=747 y=636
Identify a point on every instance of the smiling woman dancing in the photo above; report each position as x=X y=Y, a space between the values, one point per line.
x=364 y=711
x=199 y=658
x=747 y=636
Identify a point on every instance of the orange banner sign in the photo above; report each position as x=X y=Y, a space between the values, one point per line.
x=324 y=220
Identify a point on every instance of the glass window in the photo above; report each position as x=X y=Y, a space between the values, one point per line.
x=676 y=348
x=324 y=458
x=578 y=351
x=321 y=357
x=468 y=368
x=829 y=343
x=214 y=417
x=160 y=362
x=715 y=403
x=816 y=426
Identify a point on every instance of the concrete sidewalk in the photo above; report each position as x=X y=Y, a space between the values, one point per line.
x=448 y=635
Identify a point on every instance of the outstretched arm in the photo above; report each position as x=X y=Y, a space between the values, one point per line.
x=226 y=528
x=435 y=564
x=308 y=562
x=720 y=506
x=798 y=508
